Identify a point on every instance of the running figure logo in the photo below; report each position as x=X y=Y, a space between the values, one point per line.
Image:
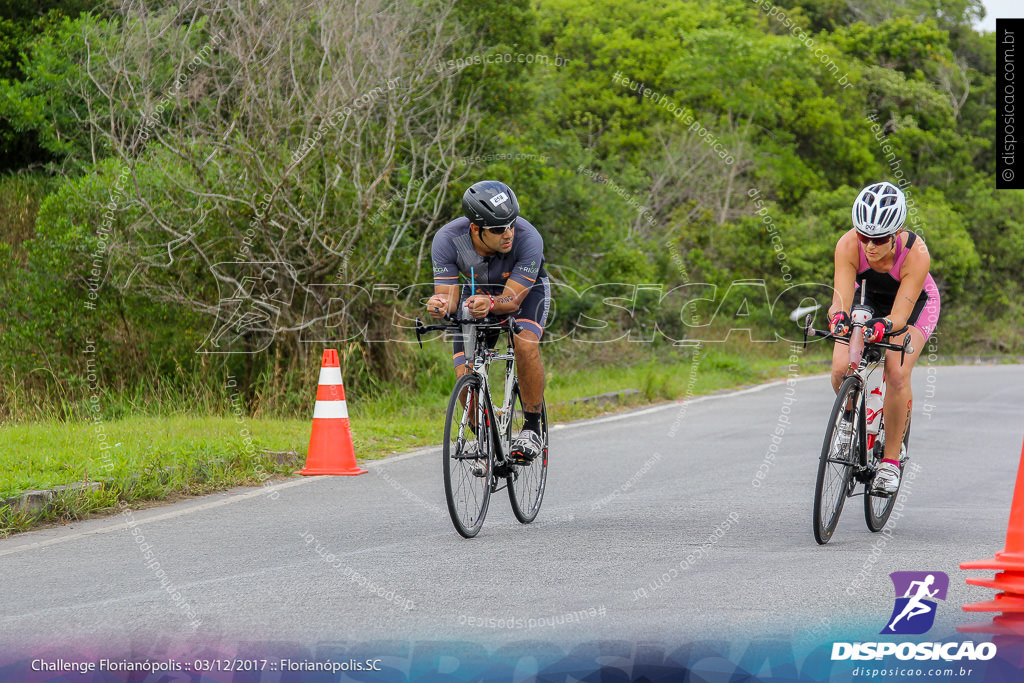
x=914 y=612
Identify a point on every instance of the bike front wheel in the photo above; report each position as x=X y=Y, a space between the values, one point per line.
x=878 y=508
x=526 y=482
x=468 y=456
x=835 y=466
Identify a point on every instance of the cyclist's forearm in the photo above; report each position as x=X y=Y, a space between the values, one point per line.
x=504 y=304
x=510 y=299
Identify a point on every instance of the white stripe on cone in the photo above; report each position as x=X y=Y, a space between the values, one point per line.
x=330 y=409
x=330 y=376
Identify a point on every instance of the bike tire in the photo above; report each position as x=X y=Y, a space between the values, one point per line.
x=526 y=482
x=832 y=485
x=467 y=494
x=878 y=508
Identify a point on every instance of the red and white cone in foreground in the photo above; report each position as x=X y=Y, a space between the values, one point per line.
x=330 y=444
x=1008 y=626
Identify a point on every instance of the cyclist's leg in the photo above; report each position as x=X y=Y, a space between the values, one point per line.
x=462 y=368
x=531 y=316
x=530 y=368
x=840 y=361
x=899 y=399
x=459 y=357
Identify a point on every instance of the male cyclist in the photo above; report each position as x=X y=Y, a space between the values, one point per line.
x=503 y=255
x=894 y=264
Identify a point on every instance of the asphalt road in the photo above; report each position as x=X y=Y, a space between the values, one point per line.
x=654 y=526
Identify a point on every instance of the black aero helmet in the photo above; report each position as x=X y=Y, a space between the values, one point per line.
x=490 y=204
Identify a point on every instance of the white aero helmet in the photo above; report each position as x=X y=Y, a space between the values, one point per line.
x=879 y=210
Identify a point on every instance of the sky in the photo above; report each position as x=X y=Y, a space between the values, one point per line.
x=1000 y=8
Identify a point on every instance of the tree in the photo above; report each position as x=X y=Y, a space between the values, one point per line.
x=254 y=149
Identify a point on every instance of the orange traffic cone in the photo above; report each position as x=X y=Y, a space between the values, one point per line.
x=1008 y=627
x=330 y=444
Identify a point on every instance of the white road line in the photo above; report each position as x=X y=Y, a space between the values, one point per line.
x=665 y=406
x=261 y=491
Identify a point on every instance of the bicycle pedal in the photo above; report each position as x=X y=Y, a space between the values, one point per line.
x=503 y=470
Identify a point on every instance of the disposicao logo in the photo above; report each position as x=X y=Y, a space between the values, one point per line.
x=914 y=611
x=914 y=614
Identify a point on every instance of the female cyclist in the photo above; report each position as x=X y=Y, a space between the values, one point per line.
x=894 y=264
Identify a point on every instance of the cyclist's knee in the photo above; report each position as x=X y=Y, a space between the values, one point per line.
x=897 y=381
x=527 y=343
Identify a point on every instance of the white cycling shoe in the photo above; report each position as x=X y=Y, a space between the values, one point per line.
x=887 y=479
x=526 y=447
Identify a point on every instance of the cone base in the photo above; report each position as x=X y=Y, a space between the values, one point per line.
x=1006 y=561
x=1009 y=605
x=317 y=471
x=1011 y=582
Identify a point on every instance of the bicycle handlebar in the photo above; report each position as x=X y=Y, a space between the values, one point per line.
x=855 y=339
x=903 y=348
x=455 y=324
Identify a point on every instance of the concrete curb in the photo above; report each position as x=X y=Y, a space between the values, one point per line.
x=38 y=500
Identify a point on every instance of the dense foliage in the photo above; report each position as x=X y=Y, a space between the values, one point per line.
x=195 y=186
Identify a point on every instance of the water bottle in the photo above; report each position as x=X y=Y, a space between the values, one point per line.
x=873 y=410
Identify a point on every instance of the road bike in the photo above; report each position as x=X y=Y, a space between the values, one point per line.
x=851 y=453
x=479 y=428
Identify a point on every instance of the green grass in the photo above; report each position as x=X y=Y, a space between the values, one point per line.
x=153 y=457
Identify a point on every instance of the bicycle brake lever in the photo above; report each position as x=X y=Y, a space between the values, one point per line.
x=807 y=328
x=907 y=348
x=419 y=325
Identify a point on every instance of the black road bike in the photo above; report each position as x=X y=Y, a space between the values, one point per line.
x=479 y=428
x=850 y=455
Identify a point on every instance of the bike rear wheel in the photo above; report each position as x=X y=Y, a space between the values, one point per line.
x=835 y=466
x=468 y=456
x=878 y=508
x=526 y=482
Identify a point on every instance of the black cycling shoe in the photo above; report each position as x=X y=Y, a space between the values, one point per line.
x=526 y=447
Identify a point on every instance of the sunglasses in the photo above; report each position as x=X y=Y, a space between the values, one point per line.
x=499 y=229
x=877 y=241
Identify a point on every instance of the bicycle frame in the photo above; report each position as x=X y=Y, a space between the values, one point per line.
x=483 y=356
x=482 y=359
x=865 y=358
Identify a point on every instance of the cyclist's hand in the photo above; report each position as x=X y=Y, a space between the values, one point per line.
x=480 y=305
x=839 y=325
x=437 y=306
x=876 y=328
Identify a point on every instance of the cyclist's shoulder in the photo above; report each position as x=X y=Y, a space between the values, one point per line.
x=453 y=229
x=915 y=241
x=528 y=235
x=847 y=239
x=917 y=250
x=444 y=244
x=847 y=246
